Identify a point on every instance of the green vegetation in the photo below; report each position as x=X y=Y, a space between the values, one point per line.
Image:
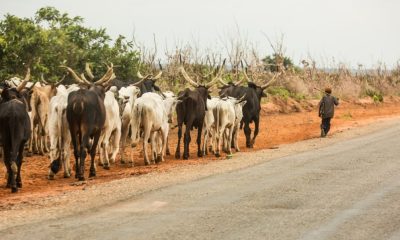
x=285 y=94
x=52 y=39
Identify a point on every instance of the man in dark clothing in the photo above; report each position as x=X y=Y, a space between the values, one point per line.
x=327 y=110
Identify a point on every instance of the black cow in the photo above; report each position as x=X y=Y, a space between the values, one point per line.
x=251 y=110
x=191 y=111
x=147 y=83
x=86 y=116
x=15 y=130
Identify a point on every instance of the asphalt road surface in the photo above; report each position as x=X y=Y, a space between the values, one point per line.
x=349 y=190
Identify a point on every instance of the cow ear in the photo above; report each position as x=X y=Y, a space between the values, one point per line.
x=156 y=88
x=263 y=94
x=107 y=88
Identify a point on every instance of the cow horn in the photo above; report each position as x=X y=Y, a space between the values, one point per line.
x=187 y=78
x=157 y=76
x=33 y=85
x=42 y=79
x=245 y=75
x=62 y=79
x=242 y=98
x=271 y=81
x=138 y=83
x=23 y=84
x=237 y=83
x=139 y=75
x=107 y=76
x=89 y=71
x=1 y=91
x=109 y=80
x=75 y=76
x=222 y=82
x=221 y=70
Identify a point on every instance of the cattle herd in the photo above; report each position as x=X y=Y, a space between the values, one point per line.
x=97 y=117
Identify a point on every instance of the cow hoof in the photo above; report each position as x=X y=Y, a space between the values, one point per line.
x=19 y=184
x=50 y=177
x=158 y=159
x=123 y=161
x=199 y=154
x=82 y=178
x=14 y=190
x=185 y=157
x=106 y=167
x=29 y=154
x=217 y=155
x=67 y=175
x=168 y=153
x=101 y=164
x=92 y=174
x=177 y=155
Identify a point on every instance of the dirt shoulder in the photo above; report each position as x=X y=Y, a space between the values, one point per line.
x=53 y=199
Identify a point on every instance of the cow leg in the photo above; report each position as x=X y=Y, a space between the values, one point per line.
x=235 y=139
x=116 y=136
x=65 y=160
x=167 y=152
x=256 y=129
x=198 y=141
x=76 y=153
x=124 y=135
x=186 y=141
x=229 y=140
x=7 y=161
x=153 y=146
x=82 y=156
x=146 y=137
x=35 y=140
x=93 y=154
x=247 y=133
x=218 y=138
x=164 y=142
x=19 y=163
x=178 y=146
x=104 y=153
x=205 y=141
x=54 y=157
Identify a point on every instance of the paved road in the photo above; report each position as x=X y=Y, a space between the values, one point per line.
x=349 y=190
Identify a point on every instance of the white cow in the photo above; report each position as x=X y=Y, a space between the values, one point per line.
x=60 y=137
x=226 y=118
x=111 y=131
x=151 y=114
x=209 y=124
x=127 y=97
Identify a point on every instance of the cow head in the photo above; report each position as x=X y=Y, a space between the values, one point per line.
x=147 y=83
x=19 y=93
x=100 y=86
x=259 y=89
x=203 y=89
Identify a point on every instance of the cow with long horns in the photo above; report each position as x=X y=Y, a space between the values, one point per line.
x=251 y=110
x=191 y=111
x=15 y=130
x=86 y=117
x=147 y=83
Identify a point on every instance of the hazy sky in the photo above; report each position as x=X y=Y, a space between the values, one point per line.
x=349 y=31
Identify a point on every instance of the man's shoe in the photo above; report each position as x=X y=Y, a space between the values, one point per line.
x=323 y=134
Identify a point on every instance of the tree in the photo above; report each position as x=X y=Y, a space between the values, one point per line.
x=52 y=38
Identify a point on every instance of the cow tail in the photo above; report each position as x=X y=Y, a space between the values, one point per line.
x=13 y=124
x=217 y=122
x=137 y=117
x=60 y=119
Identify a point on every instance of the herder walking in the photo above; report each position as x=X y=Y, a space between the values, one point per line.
x=327 y=110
